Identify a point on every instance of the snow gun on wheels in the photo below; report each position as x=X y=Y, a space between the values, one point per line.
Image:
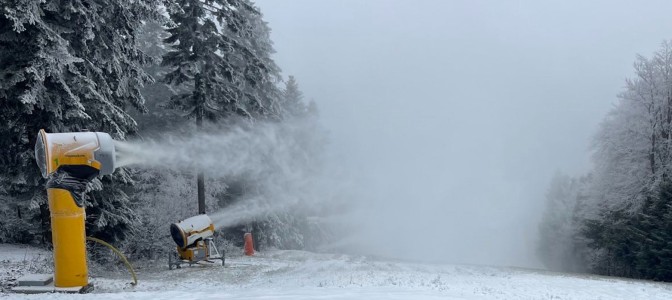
x=195 y=244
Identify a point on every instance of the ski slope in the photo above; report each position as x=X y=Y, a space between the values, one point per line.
x=305 y=275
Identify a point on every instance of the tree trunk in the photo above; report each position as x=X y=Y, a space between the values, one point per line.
x=200 y=178
x=201 y=192
x=652 y=155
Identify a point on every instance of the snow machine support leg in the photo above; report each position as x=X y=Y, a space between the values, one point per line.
x=67 y=227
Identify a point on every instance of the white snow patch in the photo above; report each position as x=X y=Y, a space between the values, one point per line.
x=305 y=275
x=18 y=253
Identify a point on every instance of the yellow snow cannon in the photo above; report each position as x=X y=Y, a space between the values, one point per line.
x=195 y=243
x=70 y=161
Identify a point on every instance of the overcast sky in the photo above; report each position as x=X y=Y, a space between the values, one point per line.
x=455 y=114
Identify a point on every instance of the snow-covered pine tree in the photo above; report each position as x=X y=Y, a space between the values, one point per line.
x=652 y=232
x=251 y=37
x=292 y=98
x=199 y=62
x=69 y=66
x=158 y=118
x=220 y=52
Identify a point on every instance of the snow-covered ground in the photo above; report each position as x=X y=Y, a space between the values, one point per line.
x=304 y=275
x=17 y=260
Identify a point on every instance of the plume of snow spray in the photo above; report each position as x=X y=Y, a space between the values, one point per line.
x=280 y=158
x=247 y=210
x=231 y=151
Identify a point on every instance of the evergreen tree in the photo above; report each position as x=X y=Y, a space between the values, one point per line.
x=653 y=233
x=221 y=52
x=158 y=118
x=220 y=49
x=246 y=25
x=69 y=66
x=292 y=98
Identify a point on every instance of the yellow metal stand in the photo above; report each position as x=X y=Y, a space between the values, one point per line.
x=69 y=161
x=69 y=239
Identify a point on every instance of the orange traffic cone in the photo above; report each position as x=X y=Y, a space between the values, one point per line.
x=249 y=244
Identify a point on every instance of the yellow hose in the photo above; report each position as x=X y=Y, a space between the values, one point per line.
x=121 y=255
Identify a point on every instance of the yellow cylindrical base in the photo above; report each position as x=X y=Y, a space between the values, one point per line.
x=69 y=238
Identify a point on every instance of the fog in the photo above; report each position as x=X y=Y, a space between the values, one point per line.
x=450 y=117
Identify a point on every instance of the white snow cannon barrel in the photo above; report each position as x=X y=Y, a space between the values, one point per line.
x=187 y=232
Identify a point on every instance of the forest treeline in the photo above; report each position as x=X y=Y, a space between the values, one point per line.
x=617 y=219
x=136 y=69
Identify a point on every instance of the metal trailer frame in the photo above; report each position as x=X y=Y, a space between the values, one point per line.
x=174 y=260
